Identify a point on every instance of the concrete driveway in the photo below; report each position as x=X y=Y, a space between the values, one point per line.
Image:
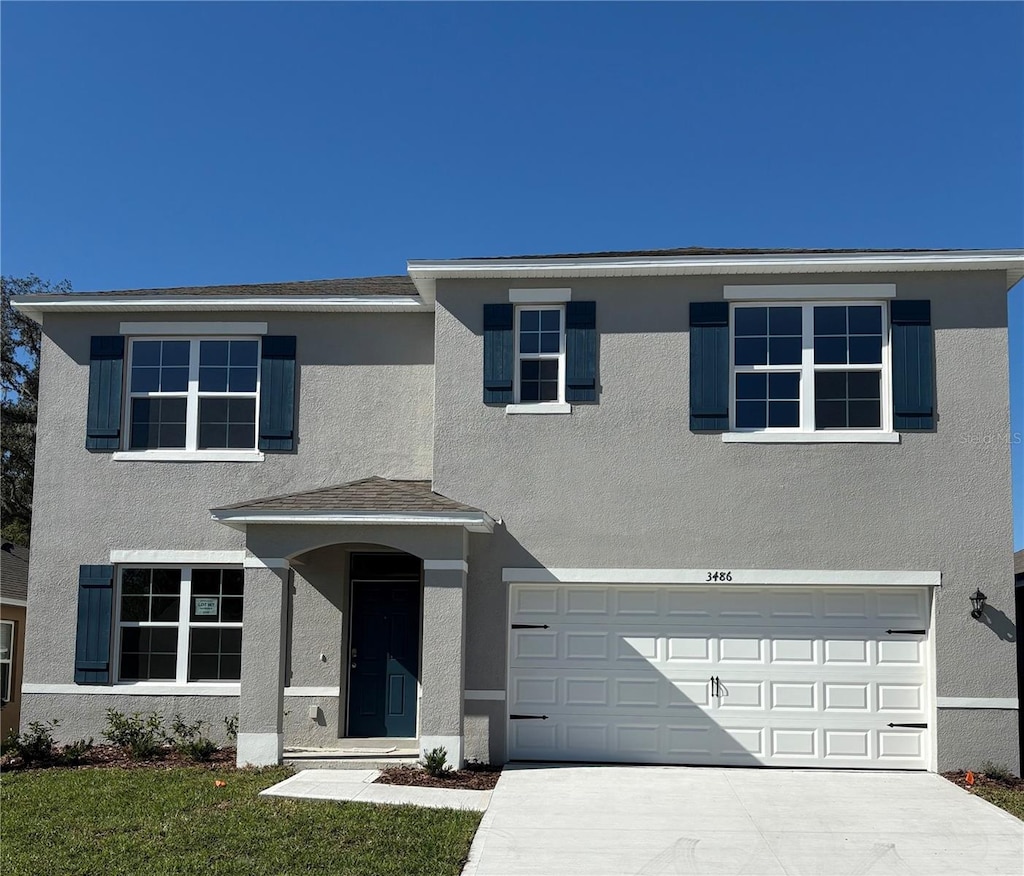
x=594 y=820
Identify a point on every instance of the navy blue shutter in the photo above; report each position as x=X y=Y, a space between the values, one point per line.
x=499 y=353
x=581 y=351
x=913 y=365
x=277 y=394
x=709 y=366
x=106 y=376
x=92 y=646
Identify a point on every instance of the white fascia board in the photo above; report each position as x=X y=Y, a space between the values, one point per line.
x=238 y=519
x=182 y=558
x=783 y=577
x=36 y=307
x=425 y=273
x=193 y=328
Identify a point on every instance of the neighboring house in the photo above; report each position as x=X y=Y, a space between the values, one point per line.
x=13 y=600
x=685 y=506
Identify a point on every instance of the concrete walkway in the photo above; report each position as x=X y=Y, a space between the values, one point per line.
x=358 y=785
x=615 y=820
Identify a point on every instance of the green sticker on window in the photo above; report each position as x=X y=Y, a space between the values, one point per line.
x=206 y=606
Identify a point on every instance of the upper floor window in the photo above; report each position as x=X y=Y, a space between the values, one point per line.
x=540 y=354
x=810 y=367
x=198 y=394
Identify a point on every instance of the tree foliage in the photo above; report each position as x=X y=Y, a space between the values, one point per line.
x=19 y=382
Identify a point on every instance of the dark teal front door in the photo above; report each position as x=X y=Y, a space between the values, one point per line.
x=384 y=658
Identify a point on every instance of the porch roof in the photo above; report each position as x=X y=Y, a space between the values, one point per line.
x=372 y=500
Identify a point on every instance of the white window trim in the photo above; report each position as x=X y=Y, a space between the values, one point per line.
x=539 y=296
x=190 y=452
x=189 y=329
x=804 y=434
x=182 y=623
x=560 y=406
x=5 y=695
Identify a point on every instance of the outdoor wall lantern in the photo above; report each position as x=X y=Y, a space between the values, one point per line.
x=977 y=604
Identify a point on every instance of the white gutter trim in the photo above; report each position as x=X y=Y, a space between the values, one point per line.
x=240 y=518
x=35 y=306
x=784 y=577
x=425 y=272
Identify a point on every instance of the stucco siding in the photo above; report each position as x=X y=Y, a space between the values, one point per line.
x=365 y=399
x=625 y=483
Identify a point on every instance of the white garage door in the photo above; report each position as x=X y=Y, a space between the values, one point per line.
x=829 y=677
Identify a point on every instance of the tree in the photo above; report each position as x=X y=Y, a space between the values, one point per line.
x=19 y=382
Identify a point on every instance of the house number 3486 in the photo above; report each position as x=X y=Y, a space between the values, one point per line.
x=719 y=576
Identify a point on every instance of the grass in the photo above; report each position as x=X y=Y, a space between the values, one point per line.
x=1010 y=799
x=175 y=821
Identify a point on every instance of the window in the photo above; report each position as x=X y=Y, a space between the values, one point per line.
x=6 y=659
x=540 y=354
x=180 y=624
x=810 y=367
x=198 y=394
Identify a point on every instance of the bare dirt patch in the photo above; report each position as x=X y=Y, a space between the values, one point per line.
x=474 y=778
x=981 y=780
x=111 y=756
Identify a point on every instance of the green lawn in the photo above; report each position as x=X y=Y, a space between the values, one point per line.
x=1012 y=800
x=175 y=821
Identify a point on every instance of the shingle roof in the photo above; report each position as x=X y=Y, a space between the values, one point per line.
x=13 y=572
x=1018 y=563
x=695 y=251
x=351 y=286
x=368 y=494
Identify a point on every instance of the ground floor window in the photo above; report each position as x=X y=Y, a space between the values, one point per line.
x=180 y=624
x=6 y=659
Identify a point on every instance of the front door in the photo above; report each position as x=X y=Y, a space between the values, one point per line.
x=384 y=658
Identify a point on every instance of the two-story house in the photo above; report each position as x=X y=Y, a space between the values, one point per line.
x=685 y=507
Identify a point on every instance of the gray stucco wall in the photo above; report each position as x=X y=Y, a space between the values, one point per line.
x=365 y=408
x=625 y=484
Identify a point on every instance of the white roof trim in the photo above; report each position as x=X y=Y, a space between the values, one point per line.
x=784 y=577
x=425 y=272
x=36 y=307
x=474 y=521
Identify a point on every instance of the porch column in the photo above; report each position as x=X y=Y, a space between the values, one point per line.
x=264 y=631
x=444 y=657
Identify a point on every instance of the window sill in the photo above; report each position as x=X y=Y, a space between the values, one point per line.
x=188 y=456
x=811 y=437
x=142 y=688
x=545 y=408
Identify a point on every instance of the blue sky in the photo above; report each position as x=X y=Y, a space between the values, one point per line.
x=154 y=144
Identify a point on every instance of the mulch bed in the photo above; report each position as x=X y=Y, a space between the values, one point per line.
x=481 y=777
x=959 y=777
x=111 y=756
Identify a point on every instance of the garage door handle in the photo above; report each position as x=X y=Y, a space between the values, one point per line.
x=528 y=717
x=918 y=726
x=907 y=632
x=529 y=626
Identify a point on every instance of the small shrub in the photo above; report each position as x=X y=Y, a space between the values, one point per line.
x=142 y=737
x=9 y=744
x=436 y=762
x=73 y=752
x=994 y=771
x=36 y=744
x=190 y=741
x=231 y=728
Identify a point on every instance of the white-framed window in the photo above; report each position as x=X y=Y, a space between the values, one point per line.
x=810 y=367
x=540 y=354
x=6 y=659
x=179 y=624
x=192 y=394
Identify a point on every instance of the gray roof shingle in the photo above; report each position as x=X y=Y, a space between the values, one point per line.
x=351 y=286
x=13 y=572
x=368 y=494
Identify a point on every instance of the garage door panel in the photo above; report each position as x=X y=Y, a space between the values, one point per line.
x=661 y=674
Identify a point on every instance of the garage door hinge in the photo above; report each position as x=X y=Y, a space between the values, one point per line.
x=529 y=626
x=919 y=726
x=908 y=632
x=528 y=717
